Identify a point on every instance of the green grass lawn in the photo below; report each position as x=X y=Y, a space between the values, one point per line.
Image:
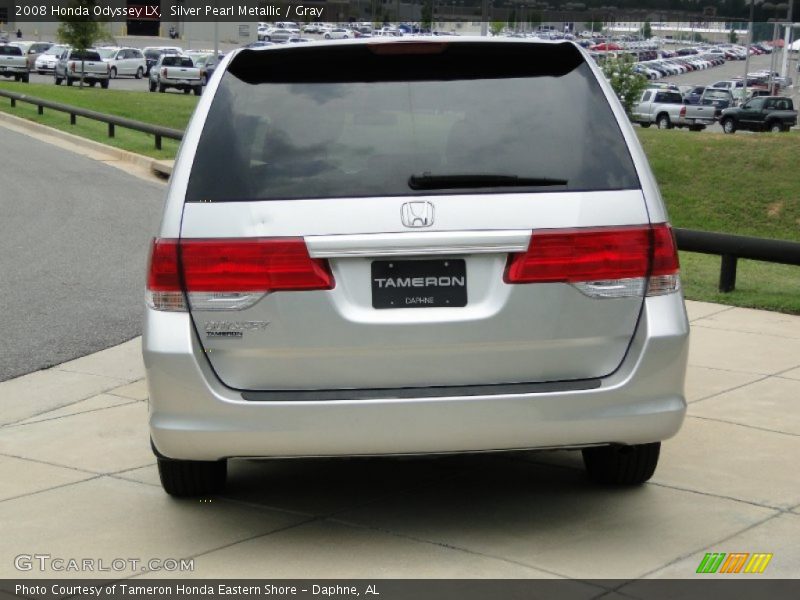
x=168 y=110
x=743 y=184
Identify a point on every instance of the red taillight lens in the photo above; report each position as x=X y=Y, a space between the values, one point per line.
x=236 y=265
x=72 y=67
x=596 y=254
x=162 y=272
x=164 y=73
x=251 y=265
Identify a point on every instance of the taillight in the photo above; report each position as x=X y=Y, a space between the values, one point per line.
x=683 y=111
x=230 y=274
x=163 y=72
x=72 y=67
x=601 y=262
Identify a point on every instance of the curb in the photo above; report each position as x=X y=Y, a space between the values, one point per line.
x=161 y=168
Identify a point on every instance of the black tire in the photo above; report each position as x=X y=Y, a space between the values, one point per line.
x=69 y=81
x=17 y=78
x=775 y=127
x=198 y=90
x=152 y=85
x=204 y=80
x=186 y=90
x=58 y=80
x=645 y=125
x=113 y=73
x=139 y=73
x=26 y=78
x=663 y=122
x=621 y=465
x=104 y=84
x=186 y=478
x=161 y=88
x=728 y=126
x=697 y=128
x=92 y=83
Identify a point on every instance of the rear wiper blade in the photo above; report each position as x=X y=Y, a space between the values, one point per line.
x=428 y=181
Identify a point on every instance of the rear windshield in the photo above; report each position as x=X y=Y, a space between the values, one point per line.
x=10 y=51
x=176 y=61
x=718 y=94
x=85 y=55
x=296 y=124
x=669 y=98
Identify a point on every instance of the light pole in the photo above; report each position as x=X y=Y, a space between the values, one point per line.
x=747 y=50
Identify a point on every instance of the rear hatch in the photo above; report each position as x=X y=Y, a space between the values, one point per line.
x=386 y=194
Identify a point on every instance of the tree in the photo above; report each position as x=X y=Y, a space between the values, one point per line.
x=647 y=32
x=732 y=36
x=81 y=31
x=496 y=27
x=627 y=83
x=427 y=15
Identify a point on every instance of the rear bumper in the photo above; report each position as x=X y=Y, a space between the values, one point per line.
x=194 y=417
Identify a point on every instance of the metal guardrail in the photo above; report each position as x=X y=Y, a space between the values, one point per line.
x=728 y=246
x=112 y=120
x=733 y=247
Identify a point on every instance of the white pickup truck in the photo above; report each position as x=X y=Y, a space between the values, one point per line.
x=667 y=109
x=13 y=63
x=176 y=71
x=74 y=65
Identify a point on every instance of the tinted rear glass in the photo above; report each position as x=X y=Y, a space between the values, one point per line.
x=348 y=122
x=10 y=51
x=90 y=55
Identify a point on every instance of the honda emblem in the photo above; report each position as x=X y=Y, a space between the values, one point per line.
x=417 y=214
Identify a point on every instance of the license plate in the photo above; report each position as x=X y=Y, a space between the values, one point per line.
x=419 y=283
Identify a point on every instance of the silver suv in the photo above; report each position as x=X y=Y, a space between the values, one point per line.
x=389 y=247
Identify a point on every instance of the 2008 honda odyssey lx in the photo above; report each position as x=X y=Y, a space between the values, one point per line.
x=378 y=248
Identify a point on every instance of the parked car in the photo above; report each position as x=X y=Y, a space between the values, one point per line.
x=152 y=54
x=124 y=61
x=32 y=50
x=208 y=63
x=308 y=298
x=75 y=65
x=178 y=72
x=337 y=33
x=693 y=96
x=765 y=113
x=667 y=109
x=46 y=62
x=13 y=63
x=719 y=98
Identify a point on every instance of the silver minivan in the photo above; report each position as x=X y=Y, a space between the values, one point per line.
x=392 y=247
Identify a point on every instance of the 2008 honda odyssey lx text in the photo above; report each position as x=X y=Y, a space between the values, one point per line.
x=412 y=246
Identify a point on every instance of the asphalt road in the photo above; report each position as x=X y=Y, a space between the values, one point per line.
x=75 y=236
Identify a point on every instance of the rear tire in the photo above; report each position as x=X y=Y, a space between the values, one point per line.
x=152 y=85
x=645 y=125
x=58 y=80
x=113 y=73
x=26 y=78
x=775 y=128
x=69 y=81
x=186 y=90
x=104 y=84
x=728 y=126
x=161 y=88
x=198 y=90
x=139 y=73
x=621 y=465
x=663 y=122
x=186 y=478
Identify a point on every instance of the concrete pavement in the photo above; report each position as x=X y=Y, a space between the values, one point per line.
x=77 y=480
